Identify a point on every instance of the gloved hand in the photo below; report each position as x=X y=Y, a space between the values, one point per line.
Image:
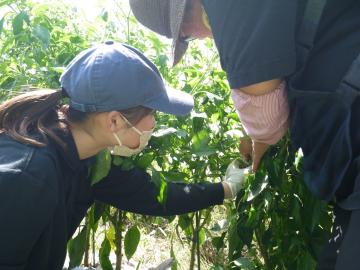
x=235 y=177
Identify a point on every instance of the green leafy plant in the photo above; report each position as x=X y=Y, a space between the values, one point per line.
x=275 y=223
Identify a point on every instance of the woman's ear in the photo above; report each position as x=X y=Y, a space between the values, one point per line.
x=114 y=121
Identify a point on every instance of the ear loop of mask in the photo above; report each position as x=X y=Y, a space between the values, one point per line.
x=123 y=150
x=117 y=139
x=131 y=125
x=127 y=122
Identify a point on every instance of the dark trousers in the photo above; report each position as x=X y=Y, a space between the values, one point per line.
x=342 y=252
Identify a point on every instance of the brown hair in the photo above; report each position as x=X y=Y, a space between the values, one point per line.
x=40 y=113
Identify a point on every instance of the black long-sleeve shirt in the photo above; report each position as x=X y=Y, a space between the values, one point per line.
x=45 y=193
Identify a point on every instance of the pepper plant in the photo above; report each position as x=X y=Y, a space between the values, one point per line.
x=274 y=223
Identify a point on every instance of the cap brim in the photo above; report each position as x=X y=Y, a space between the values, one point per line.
x=172 y=101
x=178 y=50
x=177 y=13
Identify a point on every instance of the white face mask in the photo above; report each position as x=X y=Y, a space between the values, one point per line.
x=123 y=150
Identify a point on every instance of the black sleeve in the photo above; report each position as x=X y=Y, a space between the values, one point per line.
x=133 y=191
x=27 y=202
x=255 y=38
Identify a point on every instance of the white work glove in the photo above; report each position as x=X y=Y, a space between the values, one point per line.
x=235 y=177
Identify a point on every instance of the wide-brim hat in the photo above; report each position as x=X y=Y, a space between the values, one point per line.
x=165 y=18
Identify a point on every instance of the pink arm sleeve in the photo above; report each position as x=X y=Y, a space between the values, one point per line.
x=264 y=117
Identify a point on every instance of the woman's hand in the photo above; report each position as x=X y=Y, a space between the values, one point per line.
x=254 y=151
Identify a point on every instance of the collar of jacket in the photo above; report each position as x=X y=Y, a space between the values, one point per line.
x=70 y=154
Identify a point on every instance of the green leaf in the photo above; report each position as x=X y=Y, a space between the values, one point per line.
x=234 y=240
x=305 y=261
x=76 y=248
x=221 y=225
x=164 y=131
x=18 y=22
x=132 y=239
x=205 y=152
x=212 y=97
x=2 y=24
x=110 y=232
x=218 y=267
x=5 y=2
x=184 y=222
x=234 y=133
x=104 y=254
x=316 y=214
x=96 y=212
x=200 y=144
x=233 y=116
x=145 y=160
x=318 y=238
x=198 y=115
x=218 y=242
x=174 y=266
x=99 y=208
x=117 y=160
x=127 y=164
x=40 y=10
x=101 y=167
x=91 y=219
x=57 y=69
x=298 y=159
x=202 y=237
x=104 y=15
x=244 y=263
x=198 y=121
x=246 y=235
x=76 y=39
x=159 y=180
x=258 y=185
x=43 y=34
x=162 y=193
x=175 y=176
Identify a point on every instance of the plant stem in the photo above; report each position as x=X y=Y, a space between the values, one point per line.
x=193 y=246
x=263 y=251
x=87 y=248
x=207 y=216
x=192 y=258
x=197 y=232
x=87 y=242
x=93 y=247
x=118 y=239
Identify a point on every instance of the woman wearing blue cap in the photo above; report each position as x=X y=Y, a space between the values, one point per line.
x=47 y=148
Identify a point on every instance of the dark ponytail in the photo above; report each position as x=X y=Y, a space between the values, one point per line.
x=33 y=117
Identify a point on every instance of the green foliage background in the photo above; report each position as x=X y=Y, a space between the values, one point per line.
x=275 y=223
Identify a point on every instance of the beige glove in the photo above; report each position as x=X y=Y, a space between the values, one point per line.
x=235 y=177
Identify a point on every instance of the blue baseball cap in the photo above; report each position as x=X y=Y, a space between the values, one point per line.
x=114 y=76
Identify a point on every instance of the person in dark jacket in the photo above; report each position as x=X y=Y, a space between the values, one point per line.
x=289 y=64
x=47 y=149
